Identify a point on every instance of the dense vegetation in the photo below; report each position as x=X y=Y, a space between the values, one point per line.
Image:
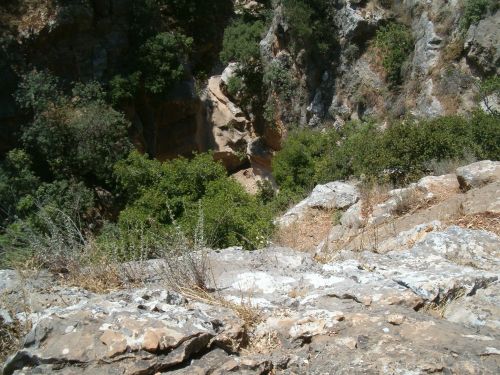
x=400 y=154
x=394 y=42
x=474 y=10
x=76 y=167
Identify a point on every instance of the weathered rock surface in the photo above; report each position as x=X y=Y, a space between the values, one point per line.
x=333 y=195
x=478 y=174
x=483 y=44
x=423 y=297
x=409 y=214
x=229 y=127
x=432 y=307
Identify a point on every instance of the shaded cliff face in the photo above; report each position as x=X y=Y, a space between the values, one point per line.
x=81 y=41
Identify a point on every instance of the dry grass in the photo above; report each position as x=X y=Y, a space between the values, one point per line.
x=10 y=337
x=262 y=344
x=308 y=232
x=372 y=195
x=488 y=221
x=412 y=201
x=249 y=314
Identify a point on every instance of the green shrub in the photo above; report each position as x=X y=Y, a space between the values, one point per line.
x=163 y=192
x=298 y=14
x=241 y=42
x=17 y=180
x=124 y=89
x=162 y=61
x=235 y=84
x=38 y=90
x=488 y=87
x=294 y=166
x=474 y=11
x=399 y=155
x=72 y=198
x=80 y=136
x=311 y=26
x=232 y=217
x=395 y=43
x=279 y=79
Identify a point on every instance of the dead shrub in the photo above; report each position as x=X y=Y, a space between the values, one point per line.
x=306 y=233
x=10 y=337
x=488 y=221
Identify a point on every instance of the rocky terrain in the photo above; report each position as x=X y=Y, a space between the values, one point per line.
x=415 y=301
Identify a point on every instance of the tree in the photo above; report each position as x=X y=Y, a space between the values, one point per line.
x=162 y=60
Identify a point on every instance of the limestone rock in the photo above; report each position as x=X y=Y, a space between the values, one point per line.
x=478 y=174
x=483 y=44
x=333 y=195
x=438 y=186
x=229 y=133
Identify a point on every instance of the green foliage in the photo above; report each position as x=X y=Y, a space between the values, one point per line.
x=88 y=93
x=299 y=14
x=279 y=79
x=162 y=192
x=38 y=90
x=294 y=166
x=241 y=42
x=162 y=61
x=394 y=42
x=488 y=87
x=474 y=11
x=81 y=137
x=72 y=198
x=399 y=154
x=17 y=180
x=235 y=84
x=124 y=89
x=310 y=26
x=232 y=217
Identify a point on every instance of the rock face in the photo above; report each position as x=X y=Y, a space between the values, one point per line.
x=483 y=44
x=430 y=308
x=414 y=211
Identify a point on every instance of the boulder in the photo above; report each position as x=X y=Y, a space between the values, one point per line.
x=438 y=186
x=333 y=195
x=478 y=174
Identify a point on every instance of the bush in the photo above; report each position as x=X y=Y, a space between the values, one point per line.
x=241 y=42
x=162 y=193
x=298 y=14
x=232 y=217
x=162 y=61
x=399 y=155
x=294 y=167
x=37 y=91
x=124 y=89
x=235 y=85
x=79 y=136
x=279 y=80
x=394 y=42
x=473 y=11
x=17 y=180
x=311 y=26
